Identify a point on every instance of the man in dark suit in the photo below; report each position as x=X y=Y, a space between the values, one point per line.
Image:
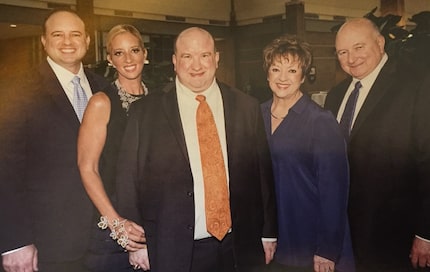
x=162 y=158
x=389 y=152
x=46 y=214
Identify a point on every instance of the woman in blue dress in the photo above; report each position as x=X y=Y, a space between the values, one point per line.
x=310 y=167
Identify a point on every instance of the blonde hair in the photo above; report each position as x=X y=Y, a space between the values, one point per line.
x=119 y=29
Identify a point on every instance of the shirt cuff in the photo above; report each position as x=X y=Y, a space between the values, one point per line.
x=264 y=239
x=12 y=251
x=419 y=237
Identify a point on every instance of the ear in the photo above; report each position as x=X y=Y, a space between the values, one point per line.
x=109 y=59
x=87 y=41
x=216 y=59
x=381 y=43
x=174 y=61
x=43 y=40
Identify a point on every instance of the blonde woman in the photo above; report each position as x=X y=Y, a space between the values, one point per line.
x=99 y=142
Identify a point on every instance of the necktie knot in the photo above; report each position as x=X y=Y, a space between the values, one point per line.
x=200 y=98
x=76 y=80
x=358 y=85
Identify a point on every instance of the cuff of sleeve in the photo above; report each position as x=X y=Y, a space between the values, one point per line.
x=12 y=251
x=419 y=237
x=264 y=239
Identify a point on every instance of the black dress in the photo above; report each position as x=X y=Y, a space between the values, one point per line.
x=104 y=253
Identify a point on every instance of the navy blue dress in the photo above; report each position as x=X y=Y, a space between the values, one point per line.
x=312 y=182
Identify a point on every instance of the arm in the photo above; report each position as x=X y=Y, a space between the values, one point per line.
x=331 y=164
x=16 y=236
x=91 y=140
x=420 y=249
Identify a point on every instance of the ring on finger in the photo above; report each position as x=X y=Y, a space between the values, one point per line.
x=136 y=267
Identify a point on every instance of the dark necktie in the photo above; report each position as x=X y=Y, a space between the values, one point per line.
x=80 y=99
x=348 y=113
x=217 y=206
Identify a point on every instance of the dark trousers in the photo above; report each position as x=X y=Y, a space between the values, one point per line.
x=105 y=255
x=211 y=255
x=75 y=266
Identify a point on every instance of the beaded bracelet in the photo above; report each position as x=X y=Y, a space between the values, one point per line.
x=118 y=231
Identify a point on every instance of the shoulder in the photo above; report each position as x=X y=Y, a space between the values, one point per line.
x=229 y=92
x=99 y=101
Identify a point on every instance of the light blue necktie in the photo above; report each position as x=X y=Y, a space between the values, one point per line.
x=80 y=99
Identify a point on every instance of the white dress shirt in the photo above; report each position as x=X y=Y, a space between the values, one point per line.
x=367 y=84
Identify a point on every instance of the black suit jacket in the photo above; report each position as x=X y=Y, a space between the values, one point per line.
x=42 y=199
x=389 y=155
x=156 y=160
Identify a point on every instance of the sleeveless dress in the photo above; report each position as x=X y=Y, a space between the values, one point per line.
x=104 y=253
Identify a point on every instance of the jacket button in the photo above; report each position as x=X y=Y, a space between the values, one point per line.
x=190 y=194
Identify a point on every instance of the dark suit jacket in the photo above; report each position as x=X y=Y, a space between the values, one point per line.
x=42 y=199
x=389 y=154
x=157 y=161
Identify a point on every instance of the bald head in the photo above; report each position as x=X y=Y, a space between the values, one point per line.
x=193 y=32
x=195 y=59
x=359 y=47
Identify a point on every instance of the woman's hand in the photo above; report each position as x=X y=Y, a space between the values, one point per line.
x=136 y=236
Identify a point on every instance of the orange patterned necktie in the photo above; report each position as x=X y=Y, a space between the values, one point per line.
x=217 y=206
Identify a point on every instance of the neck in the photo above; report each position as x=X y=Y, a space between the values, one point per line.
x=132 y=86
x=281 y=106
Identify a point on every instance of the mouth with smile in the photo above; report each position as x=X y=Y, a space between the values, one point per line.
x=130 y=68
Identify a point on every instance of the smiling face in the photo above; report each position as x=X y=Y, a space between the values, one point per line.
x=285 y=76
x=127 y=55
x=65 y=40
x=195 y=59
x=359 y=47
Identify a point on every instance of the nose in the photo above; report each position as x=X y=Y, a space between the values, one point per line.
x=67 y=39
x=196 y=64
x=283 y=75
x=127 y=57
x=351 y=57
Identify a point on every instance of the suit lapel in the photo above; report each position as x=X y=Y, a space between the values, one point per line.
x=52 y=86
x=380 y=87
x=229 y=116
x=171 y=109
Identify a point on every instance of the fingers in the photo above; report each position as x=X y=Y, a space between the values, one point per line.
x=420 y=253
x=139 y=260
x=35 y=261
x=135 y=232
x=322 y=264
x=133 y=246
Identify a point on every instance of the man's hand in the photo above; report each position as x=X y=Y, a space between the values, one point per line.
x=420 y=253
x=322 y=264
x=139 y=259
x=269 y=250
x=24 y=259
